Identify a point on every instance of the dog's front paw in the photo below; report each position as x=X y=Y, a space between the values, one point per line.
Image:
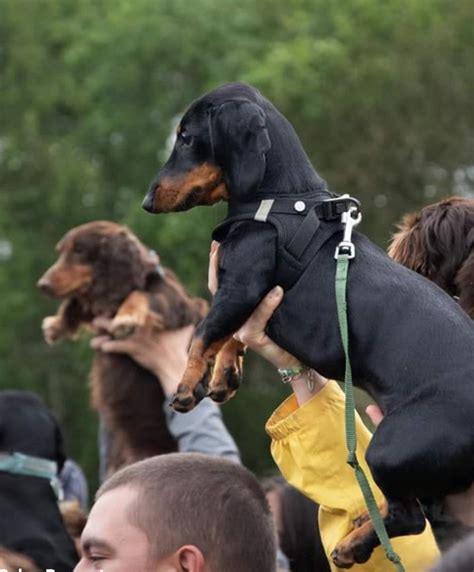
x=53 y=329
x=186 y=398
x=123 y=326
x=224 y=383
x=227 y=374
x=350 y=551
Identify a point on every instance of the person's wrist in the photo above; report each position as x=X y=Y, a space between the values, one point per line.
x=170 y=371
x=307 y=385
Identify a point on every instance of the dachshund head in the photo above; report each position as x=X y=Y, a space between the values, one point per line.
x=230 y=144
x=438 y=242
x=98 y=260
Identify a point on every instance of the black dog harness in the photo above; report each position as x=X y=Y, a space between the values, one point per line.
x=297 y=221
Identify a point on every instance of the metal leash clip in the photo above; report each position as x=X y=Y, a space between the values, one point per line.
x=346 y=246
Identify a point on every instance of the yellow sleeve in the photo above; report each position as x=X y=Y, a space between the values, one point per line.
x=309 y=447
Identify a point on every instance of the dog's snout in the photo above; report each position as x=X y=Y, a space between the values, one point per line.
x=149 y=200
x=44 y=285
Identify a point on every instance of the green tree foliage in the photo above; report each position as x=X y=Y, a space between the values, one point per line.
x=380 y=93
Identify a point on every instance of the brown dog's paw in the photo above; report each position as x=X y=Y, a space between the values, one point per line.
x=123 y=326
x=53 y=330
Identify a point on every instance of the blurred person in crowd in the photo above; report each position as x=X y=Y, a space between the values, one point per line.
x=14 y=562
x=180 y=512
x=296 y=521
x=75 y=520
x=74 y=484
x=31 y=458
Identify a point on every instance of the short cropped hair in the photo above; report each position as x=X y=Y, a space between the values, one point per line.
x=214 y=504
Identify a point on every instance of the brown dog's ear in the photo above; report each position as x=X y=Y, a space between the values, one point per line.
x=407 y=247
x=465 y=284
x=123 y=265
x=239 y=140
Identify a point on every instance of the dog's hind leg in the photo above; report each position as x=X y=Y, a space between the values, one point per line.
x=227 y=371
x=401 y=517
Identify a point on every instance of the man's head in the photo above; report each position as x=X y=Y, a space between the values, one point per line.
x=176 y=513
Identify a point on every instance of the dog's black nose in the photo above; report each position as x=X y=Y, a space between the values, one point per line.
x=45 y=286
x=149 y=200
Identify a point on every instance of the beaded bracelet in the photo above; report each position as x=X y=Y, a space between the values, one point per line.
x=293 y=373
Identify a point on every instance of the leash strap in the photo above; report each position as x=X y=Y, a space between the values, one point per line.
x=344 y=253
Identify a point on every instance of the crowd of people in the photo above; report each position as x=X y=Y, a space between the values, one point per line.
x=200 y=510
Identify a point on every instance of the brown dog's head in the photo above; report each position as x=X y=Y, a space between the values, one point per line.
x=438 y=243
x=99 y=260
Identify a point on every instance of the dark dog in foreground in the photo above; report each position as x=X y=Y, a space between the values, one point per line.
x=103 y=270
x=438 y=243
x=30 y=521
x=411 y=345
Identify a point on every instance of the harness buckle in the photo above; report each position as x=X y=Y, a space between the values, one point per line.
x=334 y=208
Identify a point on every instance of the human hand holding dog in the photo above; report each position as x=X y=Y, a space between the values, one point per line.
x=163 y=353
x=253 y=334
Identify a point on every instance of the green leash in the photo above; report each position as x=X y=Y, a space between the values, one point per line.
x=344 y=253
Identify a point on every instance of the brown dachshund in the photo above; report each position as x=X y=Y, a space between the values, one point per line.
x=438 y=243
x=103 y=270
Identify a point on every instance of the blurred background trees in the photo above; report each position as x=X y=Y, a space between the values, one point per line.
x=380 y=93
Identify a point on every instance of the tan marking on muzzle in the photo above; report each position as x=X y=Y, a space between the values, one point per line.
x=206 y=180
x=64 y=279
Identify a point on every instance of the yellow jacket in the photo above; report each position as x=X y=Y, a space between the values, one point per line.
x=309 y=447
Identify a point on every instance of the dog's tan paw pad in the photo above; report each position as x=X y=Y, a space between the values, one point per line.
x=52 y=329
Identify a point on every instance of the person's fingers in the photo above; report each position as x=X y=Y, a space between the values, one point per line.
x=214 y=247
x=101 y=323
x=374 y=413
x=97 y=342
x=255 y=325
x=212 y=282
x=111 y=346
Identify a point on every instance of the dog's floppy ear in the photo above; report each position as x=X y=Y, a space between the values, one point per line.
x=239 y=140
x=407 y=245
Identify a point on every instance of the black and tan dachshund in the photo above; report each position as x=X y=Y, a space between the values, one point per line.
x=411 y=345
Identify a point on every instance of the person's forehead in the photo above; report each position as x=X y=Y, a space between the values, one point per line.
x=109 y=519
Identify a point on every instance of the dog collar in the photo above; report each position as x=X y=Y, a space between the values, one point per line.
x=326 y=208
x=20 y=464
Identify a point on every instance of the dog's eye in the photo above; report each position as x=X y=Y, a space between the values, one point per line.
x=186 y=139
x=78 y=249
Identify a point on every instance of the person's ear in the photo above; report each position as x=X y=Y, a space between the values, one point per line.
x=239 y=141
x=190 y=559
